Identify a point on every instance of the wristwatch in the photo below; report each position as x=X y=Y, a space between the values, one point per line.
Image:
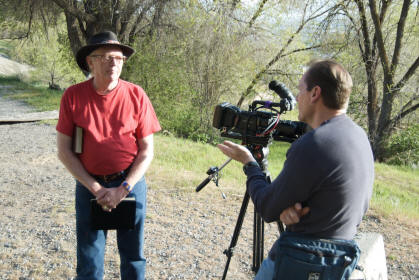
x=247 y=165
x=127 y=186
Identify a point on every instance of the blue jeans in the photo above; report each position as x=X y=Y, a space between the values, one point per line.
x=91 y=243
x=266 y=270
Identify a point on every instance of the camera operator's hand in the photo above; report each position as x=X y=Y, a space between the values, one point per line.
x=236 y=152
x=292 y=214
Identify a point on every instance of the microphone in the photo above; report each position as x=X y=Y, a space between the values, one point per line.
x=283 y=92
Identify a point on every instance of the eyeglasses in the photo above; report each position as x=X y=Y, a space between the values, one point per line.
x=109 y=58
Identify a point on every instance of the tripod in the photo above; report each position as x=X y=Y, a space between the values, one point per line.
x=260 y=154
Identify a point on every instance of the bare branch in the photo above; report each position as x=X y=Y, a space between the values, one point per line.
x=131 y=18
x=318 y=13
x=77 y=13
x=365 y=32
x=137 y=24
x=234 y=4
x=407 y=109
x=412 y=69
x=399 y=35
x=380 y=39
x=157 y=15
x=257 y=13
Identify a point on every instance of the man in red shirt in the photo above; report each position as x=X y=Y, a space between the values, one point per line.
x=118 y=122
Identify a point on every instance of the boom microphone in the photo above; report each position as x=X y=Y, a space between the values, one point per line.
x=283 y=92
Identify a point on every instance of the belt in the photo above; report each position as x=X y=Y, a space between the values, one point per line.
x=113 y=177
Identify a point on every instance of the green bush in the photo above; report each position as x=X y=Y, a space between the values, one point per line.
x=161 y=76
x=404 y=147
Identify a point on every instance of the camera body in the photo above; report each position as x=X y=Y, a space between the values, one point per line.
x=256 y=126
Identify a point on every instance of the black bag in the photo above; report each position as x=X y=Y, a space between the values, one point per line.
x=303 y=258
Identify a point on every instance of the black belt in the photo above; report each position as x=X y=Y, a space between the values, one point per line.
x=113 y=177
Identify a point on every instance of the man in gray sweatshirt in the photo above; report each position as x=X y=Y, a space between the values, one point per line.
x=325 y=186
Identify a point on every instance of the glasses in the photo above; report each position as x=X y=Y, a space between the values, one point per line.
x=109 y=58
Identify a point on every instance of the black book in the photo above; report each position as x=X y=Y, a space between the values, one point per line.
x=122 y=217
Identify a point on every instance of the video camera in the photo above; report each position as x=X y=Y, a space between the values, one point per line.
x=258 y=126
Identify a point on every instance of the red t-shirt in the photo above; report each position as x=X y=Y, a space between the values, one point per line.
x=111 y=124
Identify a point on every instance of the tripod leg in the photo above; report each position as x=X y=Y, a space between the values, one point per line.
x=239 y=223
x=255 y=236
x=258 y=240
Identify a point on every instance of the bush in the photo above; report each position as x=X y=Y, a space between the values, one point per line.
x=164 y=81
x=404 y=147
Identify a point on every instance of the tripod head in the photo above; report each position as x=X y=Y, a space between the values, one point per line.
x=260 y=154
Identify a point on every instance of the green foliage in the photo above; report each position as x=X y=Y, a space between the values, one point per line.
x=404 y=147
x=5 y=47
x=13 y=81
x=49 y=52
x=187 y=74
x=11 y=24
x=160 y=74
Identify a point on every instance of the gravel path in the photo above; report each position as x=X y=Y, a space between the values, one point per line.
x=186 y=233
x=13 y=68
x=9 y=107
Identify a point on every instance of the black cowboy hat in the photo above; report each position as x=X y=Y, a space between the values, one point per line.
x=106 y=38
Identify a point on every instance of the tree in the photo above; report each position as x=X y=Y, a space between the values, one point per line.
x=19 y=19
x=375 y=44
x=127 y=18
x=308 y=14
x=202 y=57
x=49 y=51
x=37 y=31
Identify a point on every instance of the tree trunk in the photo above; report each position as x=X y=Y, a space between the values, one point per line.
x=372 y=107
x=386 y=122
x=384 y=130
x=73 y=33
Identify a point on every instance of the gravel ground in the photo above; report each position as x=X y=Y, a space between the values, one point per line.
x=186 y=233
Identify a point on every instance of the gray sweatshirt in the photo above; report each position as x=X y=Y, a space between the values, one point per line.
x=329 y=169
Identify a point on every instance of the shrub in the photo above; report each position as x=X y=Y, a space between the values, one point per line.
x=404 y=147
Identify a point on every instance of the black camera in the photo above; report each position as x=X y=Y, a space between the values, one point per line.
x=261 y=123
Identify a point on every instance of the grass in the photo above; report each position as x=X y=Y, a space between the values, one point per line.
x=5 y=47
x=39 y=97
x=188 y=160
x=183 y=163
x=396 y=189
